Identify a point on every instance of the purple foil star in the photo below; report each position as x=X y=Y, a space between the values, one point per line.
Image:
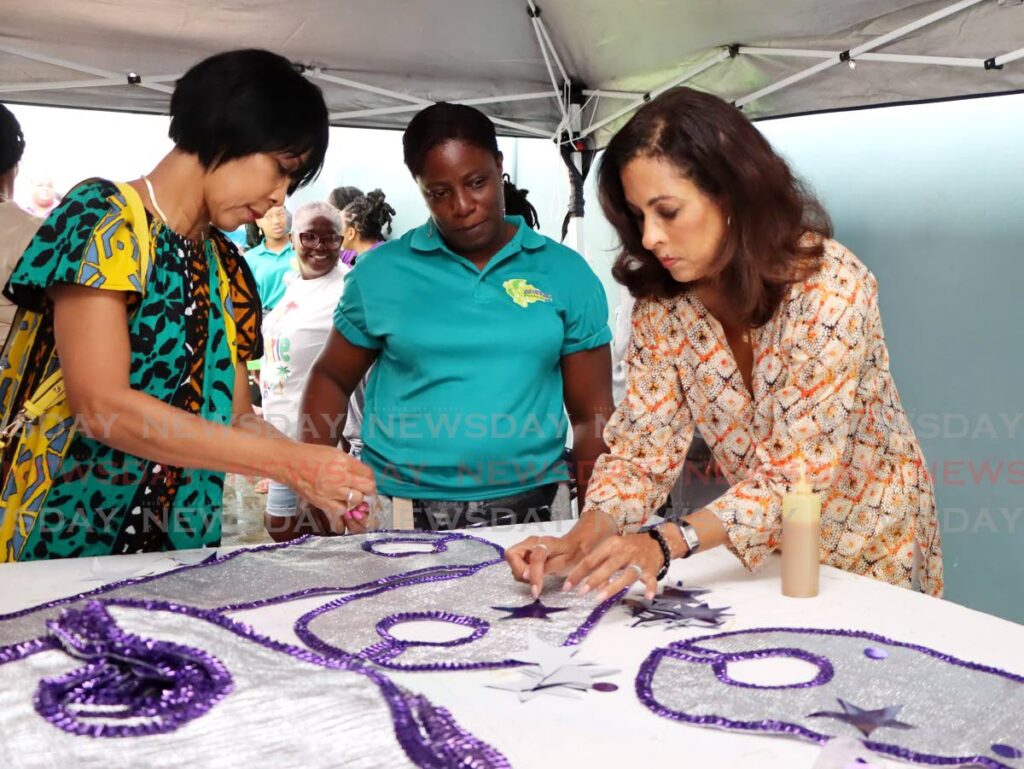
x=535 y=610
x=865 y=720
x=684 y=594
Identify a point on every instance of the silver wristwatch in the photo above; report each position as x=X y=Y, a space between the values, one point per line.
x=689 y=535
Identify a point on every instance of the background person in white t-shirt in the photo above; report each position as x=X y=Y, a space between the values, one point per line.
x=294 y=332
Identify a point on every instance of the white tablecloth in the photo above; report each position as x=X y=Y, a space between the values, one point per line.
x=614 y=729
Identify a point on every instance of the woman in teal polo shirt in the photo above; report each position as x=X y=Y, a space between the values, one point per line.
x=484 y=334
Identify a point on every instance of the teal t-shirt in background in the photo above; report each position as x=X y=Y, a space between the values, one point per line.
x=269 y=268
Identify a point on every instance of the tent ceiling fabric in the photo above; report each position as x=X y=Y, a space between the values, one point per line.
x=487 y=49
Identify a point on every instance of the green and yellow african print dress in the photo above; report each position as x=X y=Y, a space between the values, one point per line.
x=192 y=317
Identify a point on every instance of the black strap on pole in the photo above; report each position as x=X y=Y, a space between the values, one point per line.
x=569 y=146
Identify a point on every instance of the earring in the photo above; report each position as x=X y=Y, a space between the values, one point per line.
x=728 y=220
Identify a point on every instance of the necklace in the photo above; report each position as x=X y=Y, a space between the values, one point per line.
x=152 y=198
x=160 y=212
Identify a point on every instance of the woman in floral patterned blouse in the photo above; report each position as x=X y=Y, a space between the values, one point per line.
x=755 y=326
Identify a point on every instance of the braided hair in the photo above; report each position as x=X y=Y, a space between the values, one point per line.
x=342 y=196
x=516 y=203
x=370 y=214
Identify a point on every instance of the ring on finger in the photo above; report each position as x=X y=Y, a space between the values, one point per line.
x=539 y=545
x=639 y=570
x=348 y=499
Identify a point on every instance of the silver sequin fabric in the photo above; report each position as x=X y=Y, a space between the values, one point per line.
x=352 y=627
x=342 y=715
x=334 y=564
x=955 y=711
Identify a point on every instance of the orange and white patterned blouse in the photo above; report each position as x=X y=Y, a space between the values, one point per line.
x=822 y=392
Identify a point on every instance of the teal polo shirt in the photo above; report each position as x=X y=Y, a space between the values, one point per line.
x=465 y=399
x=269 y=268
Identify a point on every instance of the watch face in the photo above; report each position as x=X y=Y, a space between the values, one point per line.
x=690 y=535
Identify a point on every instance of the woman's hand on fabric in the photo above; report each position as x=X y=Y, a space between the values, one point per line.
x=329 y=480
x=615 y=564
x=537 y=557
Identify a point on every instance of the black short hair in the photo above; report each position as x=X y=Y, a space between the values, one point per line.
x=242 y=102
x=12 y=141
x=342 y=196
x=444 y=122
x=370 y=215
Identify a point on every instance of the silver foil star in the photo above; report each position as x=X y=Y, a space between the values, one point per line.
x=552 y=670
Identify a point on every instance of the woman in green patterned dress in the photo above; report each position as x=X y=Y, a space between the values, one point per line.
x=150 y=315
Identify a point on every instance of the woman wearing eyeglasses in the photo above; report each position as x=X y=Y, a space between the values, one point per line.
x=293 y=335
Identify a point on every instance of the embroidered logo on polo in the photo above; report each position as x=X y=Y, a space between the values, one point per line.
x=523 y=294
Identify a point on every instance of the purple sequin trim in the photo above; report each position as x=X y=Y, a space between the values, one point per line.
x=165 y=685
x=825 y=670
x=874 y=653
x=680 y=649
x=312 y=640
x=391 y=647
x=419 y=733
x=20 y=651
x=377 y=652
x=577 y=636
x=605 y=686
x=284 y=598
x=455 y=746
x=103 y=589
x=438 y=546
x=402 y=577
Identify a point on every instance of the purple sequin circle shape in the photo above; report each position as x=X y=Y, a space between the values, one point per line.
x=825 y=670
x=691 y=651
x=874 y=653
x=480 y=627
x=156 y=685
x=1007 y=751
x=437 y=546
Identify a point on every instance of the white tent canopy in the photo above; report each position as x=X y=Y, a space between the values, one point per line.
x=524 y=62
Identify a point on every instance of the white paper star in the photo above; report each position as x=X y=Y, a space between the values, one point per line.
x=552 y=670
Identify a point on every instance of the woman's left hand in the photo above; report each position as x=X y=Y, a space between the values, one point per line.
x=628 y=558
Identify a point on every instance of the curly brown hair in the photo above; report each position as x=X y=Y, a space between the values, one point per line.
x=766 y=247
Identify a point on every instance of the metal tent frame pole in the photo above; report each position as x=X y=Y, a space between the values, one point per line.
x=412 y=103
x=892 y=58
x=855 y=53
x=543 y=41
x=570 y=105
x=636 y=103
x=106 y=77
x=572 y=122
x=535 y=96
